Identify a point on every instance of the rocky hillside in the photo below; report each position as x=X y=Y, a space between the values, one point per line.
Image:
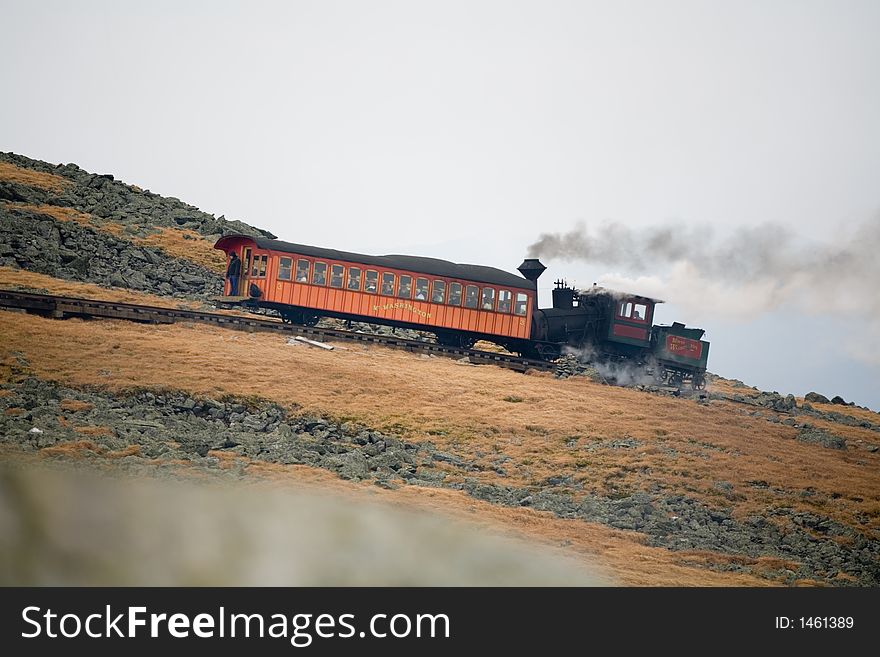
x=735 y=487
x=68 y=223
x=146 y=427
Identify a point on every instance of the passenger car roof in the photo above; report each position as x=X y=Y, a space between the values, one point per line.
x=416 y=264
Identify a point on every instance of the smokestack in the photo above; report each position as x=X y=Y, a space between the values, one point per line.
x=531 y=268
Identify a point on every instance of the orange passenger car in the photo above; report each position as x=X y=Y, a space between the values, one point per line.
x=459 y=303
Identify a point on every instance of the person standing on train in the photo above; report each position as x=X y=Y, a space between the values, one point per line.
x=233 y=271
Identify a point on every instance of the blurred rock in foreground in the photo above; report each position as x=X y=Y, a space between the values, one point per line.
x=61 y=527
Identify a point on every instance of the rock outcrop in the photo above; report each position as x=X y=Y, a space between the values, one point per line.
x=108 y=199
x=72 y=224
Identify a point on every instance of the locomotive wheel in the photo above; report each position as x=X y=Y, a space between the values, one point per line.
x=289 y=318
x=676 y=380
x=699 y=382
x=548 y=351
x=455 y=340
x=299 y=317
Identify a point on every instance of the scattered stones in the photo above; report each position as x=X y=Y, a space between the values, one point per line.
x=816 y=398
x=681 y=523
x=376 y=329
x=175 y=425
x=569 y=365
x=821 y=437
x=615 y=443
x=776 y=401
x=840 y=418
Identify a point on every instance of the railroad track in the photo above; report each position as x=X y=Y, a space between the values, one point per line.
x=62 y=307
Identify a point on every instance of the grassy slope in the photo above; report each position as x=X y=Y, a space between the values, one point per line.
x=683 y=447
x=15 y=174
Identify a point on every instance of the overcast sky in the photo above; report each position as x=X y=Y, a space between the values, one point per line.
x=464 y=130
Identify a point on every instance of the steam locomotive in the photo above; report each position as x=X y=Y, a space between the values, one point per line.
x=603 y=325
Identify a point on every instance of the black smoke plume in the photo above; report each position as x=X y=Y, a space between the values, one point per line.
x=742 y=273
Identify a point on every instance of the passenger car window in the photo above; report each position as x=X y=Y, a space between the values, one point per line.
x=439 y=294
x=522 y=304
x=471 y=294
x=259 y=268
x=336 y=273
x=387 y=284
x=405 y=289
x=320 y=277
x=455 y=294
x=284 y=267
x=354 y=278
x=371 y=281
x=302 y=271
x=504 y=301
x=421 y=289
x=488 y=302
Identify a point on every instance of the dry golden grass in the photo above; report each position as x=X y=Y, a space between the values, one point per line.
x=10 y=278
x=72 y=449
x=227 y=460
x=561 y=427
x=55 y=211
x=14 y=174
x=726 y=386
x=175 y=242
x=74 y=405
x=90 y=430
x=482 y=345
x=60 y=213
x=187 y=244
x=131 y=450
x=87 y=449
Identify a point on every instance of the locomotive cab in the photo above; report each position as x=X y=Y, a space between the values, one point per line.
x=630 y=323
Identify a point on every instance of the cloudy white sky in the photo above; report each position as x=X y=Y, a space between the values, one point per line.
x=464 y=130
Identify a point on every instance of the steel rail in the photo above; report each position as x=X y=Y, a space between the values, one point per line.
x=61 y=307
